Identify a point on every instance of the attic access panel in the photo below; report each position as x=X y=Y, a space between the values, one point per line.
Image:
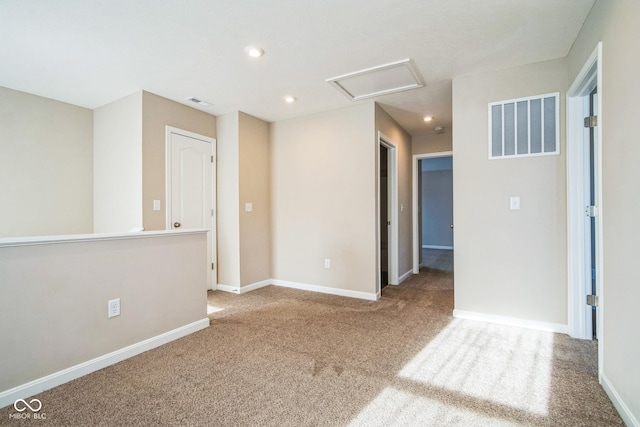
x=375 y=81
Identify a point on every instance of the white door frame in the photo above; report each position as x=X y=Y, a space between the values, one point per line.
x=577 y=176
x=416 y=200
x=392 y=195
x=212 y=276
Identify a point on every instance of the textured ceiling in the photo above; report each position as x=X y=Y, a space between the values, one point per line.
x=90 y=53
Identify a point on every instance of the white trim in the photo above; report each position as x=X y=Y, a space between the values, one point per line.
x=416 y=198
x=624 y=411
x=511 y=321
x=254 y=286
x=246 y=288
x=78 y=238
x=447 y=248
x=301 y=286
x=590 y=76
x=405 y=276
x=227 y=288
x=326 y=290
x=31 y=388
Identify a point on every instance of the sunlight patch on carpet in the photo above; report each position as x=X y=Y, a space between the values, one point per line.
x=479 y=359
x=393 y=407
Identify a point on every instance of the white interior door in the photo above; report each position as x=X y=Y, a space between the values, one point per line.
x=190 y=188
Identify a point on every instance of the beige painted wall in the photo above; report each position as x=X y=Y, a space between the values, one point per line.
x=254 y=177
x=615 y=23
x=508 y=263
x=385 y=124
x=54 y=302
x=244 y=244
x=46 y=158
x=117 y=165
x=432 y=142
x=323 y=199
x=157 y=113
x=228 y=193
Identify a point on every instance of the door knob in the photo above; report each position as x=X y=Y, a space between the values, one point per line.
x=176 y=225
x=451 y=226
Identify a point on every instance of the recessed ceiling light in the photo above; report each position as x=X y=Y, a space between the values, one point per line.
x=289 y=99
x=428 y=118
x=254 y=51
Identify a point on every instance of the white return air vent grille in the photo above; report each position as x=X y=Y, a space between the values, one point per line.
x=524 y=127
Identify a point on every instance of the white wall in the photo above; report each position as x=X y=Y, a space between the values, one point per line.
x=228 y=193
x=323 y=199
x=54 y=302
x=117 y=165
x=46 y=158
x=508 y=262
x=615 y=23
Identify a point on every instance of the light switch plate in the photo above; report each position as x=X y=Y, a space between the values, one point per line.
x=514 y=203
x=248 y=207
x=156 y=205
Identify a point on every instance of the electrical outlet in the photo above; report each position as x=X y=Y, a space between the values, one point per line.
x=327 y=263
x=113 y=309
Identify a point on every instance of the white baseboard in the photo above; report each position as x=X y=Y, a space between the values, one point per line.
x=39 y=385
x=512 y=321
x=227 y=288
x=405 y=276
x=450 y=248
x=325 y=290
x=246 y=288
x=624 y=411
x=254 y=286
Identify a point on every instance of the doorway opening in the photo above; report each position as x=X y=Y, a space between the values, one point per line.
x=386 y=213
x=436 y=213
x=384 y=216
x=439 y=240
x=584 y=203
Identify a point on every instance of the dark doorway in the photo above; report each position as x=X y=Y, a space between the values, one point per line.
x=384 y=216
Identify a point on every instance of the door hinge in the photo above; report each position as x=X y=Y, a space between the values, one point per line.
x=591 y=211
x=211 y=159
x=591 y=121
x=213 y=265
x=211 y=212
x=592 y=300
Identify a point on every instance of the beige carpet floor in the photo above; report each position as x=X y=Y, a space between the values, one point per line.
x=283 y=357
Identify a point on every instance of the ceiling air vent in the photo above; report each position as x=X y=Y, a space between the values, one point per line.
x=200 y=102
x=381 y=80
